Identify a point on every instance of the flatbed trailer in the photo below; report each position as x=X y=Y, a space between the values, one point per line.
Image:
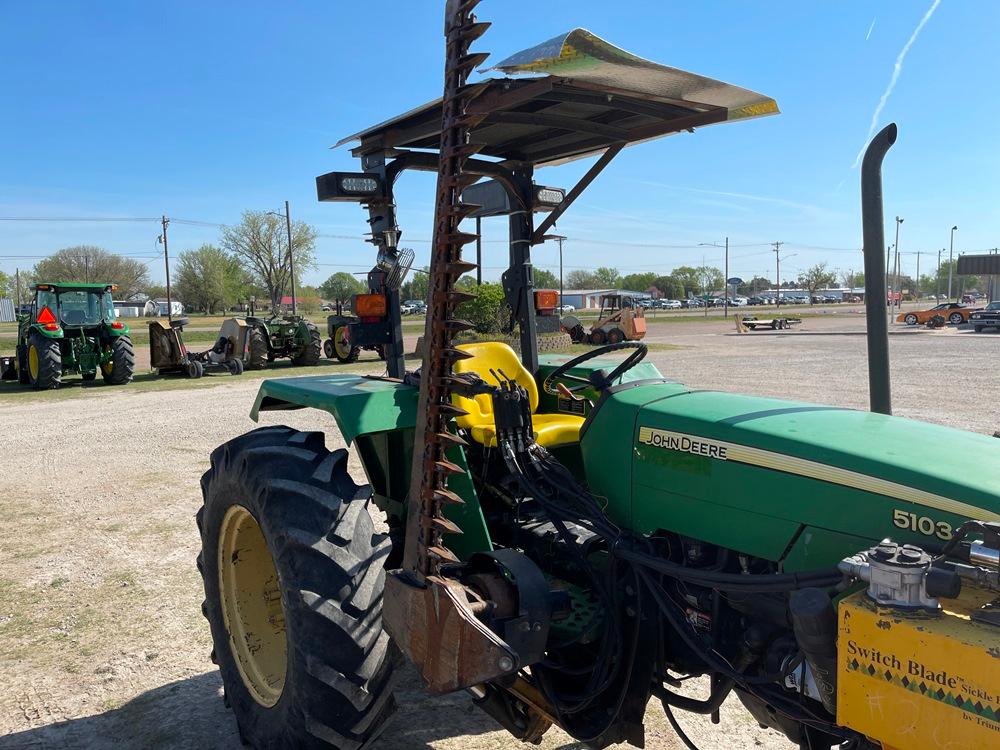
x=774 y=324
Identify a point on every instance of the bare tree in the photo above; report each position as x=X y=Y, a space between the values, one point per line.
x=260 y=243
x=817 y=277
x=94 y=265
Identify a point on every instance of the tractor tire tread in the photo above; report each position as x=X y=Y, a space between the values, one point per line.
x=310 y=354
x=49 y=362
x=122 y=362
x=257 y=354
x=342 y=666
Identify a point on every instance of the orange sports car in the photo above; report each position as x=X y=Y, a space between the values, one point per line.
x=953 y=312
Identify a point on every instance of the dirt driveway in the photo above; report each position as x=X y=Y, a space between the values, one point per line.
x=102 y=644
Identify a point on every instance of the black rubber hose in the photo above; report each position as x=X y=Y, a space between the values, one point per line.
x=720 y=690
x=754 y=583
x=677 y=728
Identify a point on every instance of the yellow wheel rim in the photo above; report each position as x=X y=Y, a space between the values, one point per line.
x=251 y=606
x=33 y=362
x=108 y=367
x=341 y=344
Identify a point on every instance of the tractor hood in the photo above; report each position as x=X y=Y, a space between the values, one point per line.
x=790 y=481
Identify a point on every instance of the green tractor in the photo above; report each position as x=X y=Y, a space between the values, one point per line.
x=572 y=537
x=72 y=329
x=278 y=336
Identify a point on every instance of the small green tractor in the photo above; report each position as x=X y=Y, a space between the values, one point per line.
x=290 y=336
x=72 y=329
x=570 y=538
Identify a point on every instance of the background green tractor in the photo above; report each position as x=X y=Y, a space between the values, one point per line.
x=289 y=336
x=72 y=329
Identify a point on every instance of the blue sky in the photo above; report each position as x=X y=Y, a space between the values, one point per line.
x=201 y=110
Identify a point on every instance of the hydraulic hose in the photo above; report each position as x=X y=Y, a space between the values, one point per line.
x=754 y=583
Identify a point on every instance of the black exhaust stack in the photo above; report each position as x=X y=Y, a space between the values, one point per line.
x=873 y=228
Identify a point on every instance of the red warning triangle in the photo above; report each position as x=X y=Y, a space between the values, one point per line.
x=45 y=316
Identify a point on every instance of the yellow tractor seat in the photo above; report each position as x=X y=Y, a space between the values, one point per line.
x=550 y=429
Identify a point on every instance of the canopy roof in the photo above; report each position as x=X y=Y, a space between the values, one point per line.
x=583 y=96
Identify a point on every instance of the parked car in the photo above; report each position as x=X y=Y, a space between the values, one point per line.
x=986 y=318
x=566 y=308
x=670 y=304
x=692 y=302
x=954 y=312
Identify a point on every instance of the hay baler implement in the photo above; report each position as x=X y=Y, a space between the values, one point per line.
x=572 y=536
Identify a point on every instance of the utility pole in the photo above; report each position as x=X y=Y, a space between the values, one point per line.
x=479 y=254
x=726 y=301
x=86 y=265
x=560 y=239
x=166 y=265
x=17 y=288
x=777 y=271
x=918 y=275
x=937 y=278
x=291 y=261
x=951 y=259
x=898 y=222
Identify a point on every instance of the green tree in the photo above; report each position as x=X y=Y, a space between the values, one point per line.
x=817 y=277
x=89 y=264
x=756 y=285
x=341 y=286
x=689 y=278
x=157 y=291
x=853 y=279
x=669 y=286
x=608 y=277
x=711 y=278
x=488 y=312
x=7 y=286
x=579 y=278
x=417 y=285
x=639 y=282
x=545 y=279
x=206 y=279
x=307 y=300
x=260 y=243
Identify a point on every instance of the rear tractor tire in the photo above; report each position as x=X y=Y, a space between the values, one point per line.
x=120 y=369
x=344 y=351
x=294 y=575
x=310 y=353
x=257 y=354
x=44 y=362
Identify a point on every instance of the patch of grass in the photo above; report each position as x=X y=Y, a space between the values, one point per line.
x=58 y=581
x=123 y=579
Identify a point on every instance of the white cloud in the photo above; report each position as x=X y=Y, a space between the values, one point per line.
x=896 y=70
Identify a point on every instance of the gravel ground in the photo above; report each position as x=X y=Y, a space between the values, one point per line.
x=102 y=644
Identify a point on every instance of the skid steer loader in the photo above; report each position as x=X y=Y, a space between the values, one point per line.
x=571 y=537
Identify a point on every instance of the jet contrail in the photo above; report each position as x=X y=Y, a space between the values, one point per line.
x=897 y=69
x=870 y=28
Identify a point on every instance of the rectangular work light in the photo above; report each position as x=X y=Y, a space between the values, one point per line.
x=348 y=186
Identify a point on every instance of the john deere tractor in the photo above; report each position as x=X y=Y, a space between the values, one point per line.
x=278 y=336
x=72 y=329
x=569 y=538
